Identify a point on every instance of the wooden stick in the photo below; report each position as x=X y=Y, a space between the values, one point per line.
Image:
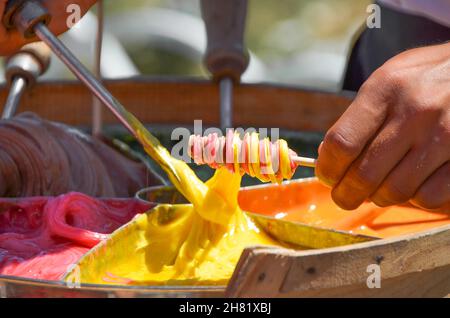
x=305 y=162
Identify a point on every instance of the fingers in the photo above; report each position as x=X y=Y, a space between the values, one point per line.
x=391 y=169
x=370 y=169
x=435 y=191
x=393 y=137
x=345 y=141
x=408 y=176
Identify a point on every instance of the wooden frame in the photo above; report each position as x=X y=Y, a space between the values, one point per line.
x=181 y=101
x=416 y=265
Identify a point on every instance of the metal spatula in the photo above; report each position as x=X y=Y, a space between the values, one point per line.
x=304 y=235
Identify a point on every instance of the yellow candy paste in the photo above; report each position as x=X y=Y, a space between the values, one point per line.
x=196 y=244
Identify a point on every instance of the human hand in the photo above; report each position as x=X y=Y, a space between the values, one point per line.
x=12 y=40
x=392 y=145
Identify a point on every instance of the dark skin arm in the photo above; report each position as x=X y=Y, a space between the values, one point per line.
x=11 y=40
x=392 y=145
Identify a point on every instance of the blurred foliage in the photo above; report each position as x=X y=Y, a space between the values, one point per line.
x=275 y=29
x=320 y=19
x=161 y=62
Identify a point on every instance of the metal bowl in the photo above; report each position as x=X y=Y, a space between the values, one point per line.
x=11 y=286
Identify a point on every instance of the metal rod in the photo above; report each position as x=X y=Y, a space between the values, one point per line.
x=16 y=91
x=83 y=74
x=97 y=117
x=226 y=103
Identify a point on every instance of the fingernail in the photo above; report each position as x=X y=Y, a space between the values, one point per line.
x=326 y=182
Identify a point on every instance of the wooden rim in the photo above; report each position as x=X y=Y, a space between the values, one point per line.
x=180 y=101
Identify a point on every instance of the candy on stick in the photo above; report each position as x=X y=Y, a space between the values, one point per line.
x=263 y=159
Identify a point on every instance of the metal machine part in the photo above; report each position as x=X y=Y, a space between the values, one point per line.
x=96 y=103
x=226 y=102
x=31 y=14
x=226 y=57
x=16 y=91
x=31 y=18
x=22 y=71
